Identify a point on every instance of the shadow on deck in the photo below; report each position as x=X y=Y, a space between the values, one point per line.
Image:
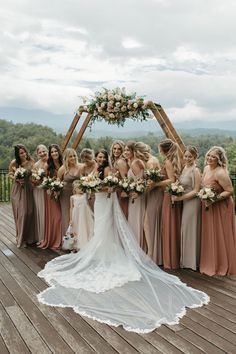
x=30 y=327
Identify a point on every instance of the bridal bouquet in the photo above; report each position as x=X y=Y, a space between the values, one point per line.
x=110 y=181
x=90 y=184
x=176 y=189
x=38 y=175
x=153 y=174
x=208 y=195
x=53 y=185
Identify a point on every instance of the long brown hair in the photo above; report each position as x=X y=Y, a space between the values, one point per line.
x=17 y=149
x=171 y=151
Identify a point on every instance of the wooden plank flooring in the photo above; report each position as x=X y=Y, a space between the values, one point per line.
x=26 y=326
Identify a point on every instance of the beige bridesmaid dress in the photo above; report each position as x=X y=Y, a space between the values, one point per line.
x=190 y=225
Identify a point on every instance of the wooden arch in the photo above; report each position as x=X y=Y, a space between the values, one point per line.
x=157 y=111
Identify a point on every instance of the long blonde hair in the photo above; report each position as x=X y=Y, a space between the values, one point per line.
x=66 y=155
x=141 y=151
x=171 y=151
x=221 y=156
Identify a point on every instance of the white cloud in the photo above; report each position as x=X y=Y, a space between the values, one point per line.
x=130 y=43
x=174 y=52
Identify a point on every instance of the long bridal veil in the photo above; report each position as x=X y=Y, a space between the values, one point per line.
x=113 y=281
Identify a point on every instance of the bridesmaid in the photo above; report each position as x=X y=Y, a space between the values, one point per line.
x=218 y=245
x=190 y=179
x=137 y=209
x=39 y=193
x=171 y=217
x=52 y=234
x=68 y=173
x=154 y=198
x=120 y=166
x=22 y=198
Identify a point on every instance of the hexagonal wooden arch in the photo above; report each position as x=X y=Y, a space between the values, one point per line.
x=157 y=111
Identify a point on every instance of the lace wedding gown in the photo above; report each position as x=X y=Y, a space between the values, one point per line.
x=113 y=281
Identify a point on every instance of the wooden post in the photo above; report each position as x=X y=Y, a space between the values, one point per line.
x=162 y=124
x=168 y=123
x=70 y=131
x=81 y=131
x=156 y=109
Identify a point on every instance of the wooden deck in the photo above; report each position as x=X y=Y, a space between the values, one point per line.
x=26 y=326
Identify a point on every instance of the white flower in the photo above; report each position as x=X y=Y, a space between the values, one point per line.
x=111 y=115
x=110 y=97
x=103 y=104
x=117 y=97
x=111 y=103
x=135 y=105
x=139 y=188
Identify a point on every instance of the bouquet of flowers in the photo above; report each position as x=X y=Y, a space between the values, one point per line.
x=176 y=189
x=110 y=181
x=38 y=175
x=129 y=185
x=208 y=195
x=53 y=186
x=115 y=106
x=90 y=184
x=21 y=174
x=138 y=186
x=124 y=184
x=153 y=174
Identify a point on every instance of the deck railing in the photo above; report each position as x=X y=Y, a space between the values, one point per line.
x=5 y=186
x=6 y=183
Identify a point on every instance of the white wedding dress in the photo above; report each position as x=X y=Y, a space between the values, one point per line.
x=113 y=281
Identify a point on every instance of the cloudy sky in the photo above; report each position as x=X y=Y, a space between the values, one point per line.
x=179 y=53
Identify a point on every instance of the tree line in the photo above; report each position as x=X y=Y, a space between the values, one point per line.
x=31 y=135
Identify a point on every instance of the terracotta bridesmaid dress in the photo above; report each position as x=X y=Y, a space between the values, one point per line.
x=170 y=230
x=52 y=229
x=218 y=244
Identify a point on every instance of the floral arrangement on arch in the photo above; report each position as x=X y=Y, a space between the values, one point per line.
x=114 y=106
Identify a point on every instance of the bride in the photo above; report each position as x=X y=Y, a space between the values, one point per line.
x=113 y=281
